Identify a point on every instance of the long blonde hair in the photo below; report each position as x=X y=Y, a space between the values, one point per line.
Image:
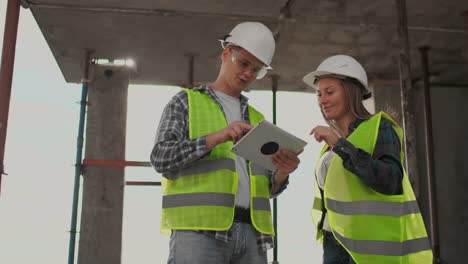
x=354 y=98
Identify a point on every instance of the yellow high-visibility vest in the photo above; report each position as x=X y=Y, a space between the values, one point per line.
x=372 y=227
x=203 y=196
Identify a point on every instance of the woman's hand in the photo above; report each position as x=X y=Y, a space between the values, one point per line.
x=325 y=133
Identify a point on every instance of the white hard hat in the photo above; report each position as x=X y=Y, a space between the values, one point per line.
x=255 y=38
x=341 y=65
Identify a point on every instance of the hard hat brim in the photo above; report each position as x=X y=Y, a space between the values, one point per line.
x=225 y=44
x=311 y=78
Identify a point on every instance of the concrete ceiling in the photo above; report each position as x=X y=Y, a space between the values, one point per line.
x=162 y=35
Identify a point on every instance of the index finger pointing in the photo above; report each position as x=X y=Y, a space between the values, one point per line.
x=312 y=131
x=244 y=125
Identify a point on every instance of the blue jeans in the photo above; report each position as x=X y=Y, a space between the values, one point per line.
x=191 y=247
x=333 y=252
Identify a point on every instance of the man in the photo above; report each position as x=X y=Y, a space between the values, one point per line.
x=217 y=203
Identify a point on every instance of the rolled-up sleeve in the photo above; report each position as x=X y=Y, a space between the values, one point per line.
x=274 y=186
x=173 y=149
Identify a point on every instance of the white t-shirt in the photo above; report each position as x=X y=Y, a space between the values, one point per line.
x=323 y=166
x=232 y=111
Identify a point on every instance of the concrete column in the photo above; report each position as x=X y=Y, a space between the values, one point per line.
x=406 y=96
x=103 y=187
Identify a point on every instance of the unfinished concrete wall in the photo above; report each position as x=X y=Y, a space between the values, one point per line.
x=451 y=168
x=103 y=187
x=388 y=97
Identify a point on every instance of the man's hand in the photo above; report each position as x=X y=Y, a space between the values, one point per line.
x=234 y=132
x=285 y=162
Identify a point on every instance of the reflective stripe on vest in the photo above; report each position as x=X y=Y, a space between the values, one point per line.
x=372 y=227
x=205 y=166
x=203 y=195
x=214 y=199
x=260 y=203
x=193 y=199
x=373 y=207
x=389 y=248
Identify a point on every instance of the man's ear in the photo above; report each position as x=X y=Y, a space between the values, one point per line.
x=225 y=54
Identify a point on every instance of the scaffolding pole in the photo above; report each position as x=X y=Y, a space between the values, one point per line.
x=79 y=155
x=428 y=140
x=465 y=16
x=6 y=73
x=191 y=70
x=274 y=89
x=122 y=163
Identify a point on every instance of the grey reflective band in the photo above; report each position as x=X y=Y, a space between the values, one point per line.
x=205 y=166
x=259 y=170
x=260 y=203
x=198 y=199
x=373 y=207
x=387 y=248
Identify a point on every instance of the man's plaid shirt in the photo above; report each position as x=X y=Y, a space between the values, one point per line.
x=174 y=149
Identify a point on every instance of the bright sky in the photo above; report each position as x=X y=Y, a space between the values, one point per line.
x=35 y=200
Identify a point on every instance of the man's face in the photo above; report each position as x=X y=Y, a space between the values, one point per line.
x=241 y=68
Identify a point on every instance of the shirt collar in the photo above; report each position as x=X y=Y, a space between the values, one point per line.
x=206 y=89
x=354 y=125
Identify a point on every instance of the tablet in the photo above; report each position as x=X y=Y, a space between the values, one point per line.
x=264 y=140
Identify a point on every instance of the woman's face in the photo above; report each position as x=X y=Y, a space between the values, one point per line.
x=332 y=98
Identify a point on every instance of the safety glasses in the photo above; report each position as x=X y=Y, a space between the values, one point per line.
x=244 y=64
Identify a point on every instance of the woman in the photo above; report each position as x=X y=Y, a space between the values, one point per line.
x=364 y=206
